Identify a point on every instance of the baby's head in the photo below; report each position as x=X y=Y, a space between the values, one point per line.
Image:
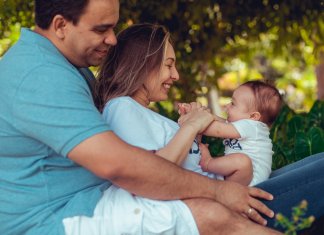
x=255 y=100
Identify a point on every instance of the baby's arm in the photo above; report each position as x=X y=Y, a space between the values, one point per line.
x=222 y=130
x=218 y=128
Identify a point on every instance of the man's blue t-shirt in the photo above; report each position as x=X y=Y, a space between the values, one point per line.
x=46 y=109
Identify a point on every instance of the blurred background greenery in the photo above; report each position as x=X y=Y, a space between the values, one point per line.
x=220 y=44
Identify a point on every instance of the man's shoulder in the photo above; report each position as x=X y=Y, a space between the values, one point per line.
x=33 y=50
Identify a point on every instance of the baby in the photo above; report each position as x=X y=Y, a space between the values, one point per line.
x=248 y=147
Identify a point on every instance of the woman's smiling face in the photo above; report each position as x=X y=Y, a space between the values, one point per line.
x=159 y=83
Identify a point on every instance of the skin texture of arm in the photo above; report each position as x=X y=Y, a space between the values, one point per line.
x=222 y=130
x=143 y=174
x=177 y=148
x=235 y=167
x=136 y=170
x=218 y=128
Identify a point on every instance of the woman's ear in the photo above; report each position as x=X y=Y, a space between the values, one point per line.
x=256 y=116
x=59 y=24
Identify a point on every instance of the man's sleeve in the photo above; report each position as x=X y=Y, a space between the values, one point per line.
x=54 y=106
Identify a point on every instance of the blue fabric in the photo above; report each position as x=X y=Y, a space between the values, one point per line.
x=46 y=110
x=302 y=180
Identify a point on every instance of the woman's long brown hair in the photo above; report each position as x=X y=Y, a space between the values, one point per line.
x=139 y=51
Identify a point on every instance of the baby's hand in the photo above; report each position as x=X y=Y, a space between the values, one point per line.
x=205 y=156
x=183 y=108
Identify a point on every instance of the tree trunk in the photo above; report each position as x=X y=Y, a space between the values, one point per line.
x=213 y=101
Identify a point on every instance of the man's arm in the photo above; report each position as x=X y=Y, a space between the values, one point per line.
x=137 y=170
x=142 y=173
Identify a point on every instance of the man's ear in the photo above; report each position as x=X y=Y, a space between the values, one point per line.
x=256 y=116
x=59 y=24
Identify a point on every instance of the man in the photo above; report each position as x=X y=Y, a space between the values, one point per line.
x=57 y=156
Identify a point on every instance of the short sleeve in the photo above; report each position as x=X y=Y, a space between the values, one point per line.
x=54 y=106
x=132 y=123
x=246 y=128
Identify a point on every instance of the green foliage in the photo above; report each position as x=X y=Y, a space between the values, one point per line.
x=215 y=145
x=297 y=221
x=296 y=136
x=14 y=14
x=210 y=34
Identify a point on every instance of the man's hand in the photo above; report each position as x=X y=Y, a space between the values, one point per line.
x=244 y=200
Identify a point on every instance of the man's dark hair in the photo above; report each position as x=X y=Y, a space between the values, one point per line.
x=45 y=10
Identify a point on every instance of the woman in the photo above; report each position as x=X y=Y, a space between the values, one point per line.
x=141 y=69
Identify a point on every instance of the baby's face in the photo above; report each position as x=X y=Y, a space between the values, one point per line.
x=241 y=105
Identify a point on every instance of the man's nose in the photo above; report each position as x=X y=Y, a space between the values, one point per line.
x=110 y=39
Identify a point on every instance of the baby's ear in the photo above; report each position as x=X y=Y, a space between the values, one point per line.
x=256 y=116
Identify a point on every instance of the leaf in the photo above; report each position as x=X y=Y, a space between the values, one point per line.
x=295 y=124
x=316 y=135
x=316 y=114
x=302 y=145
x=309 y=143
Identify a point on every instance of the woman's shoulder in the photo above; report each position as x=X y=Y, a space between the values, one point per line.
x=121 y=99
x=129 y=105
x=122 y=102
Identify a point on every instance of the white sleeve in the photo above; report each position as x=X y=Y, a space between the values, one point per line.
x=129 y=122
x=246 y=128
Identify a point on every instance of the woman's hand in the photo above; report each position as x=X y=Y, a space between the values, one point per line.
x=198 y=117
x=244 y=200
x=184 y=108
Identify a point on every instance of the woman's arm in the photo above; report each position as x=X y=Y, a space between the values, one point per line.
x=135 y=125
x=178 y=147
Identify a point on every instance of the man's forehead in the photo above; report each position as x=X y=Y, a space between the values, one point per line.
x=112 y=4
x=95 y=6
x=101 y=12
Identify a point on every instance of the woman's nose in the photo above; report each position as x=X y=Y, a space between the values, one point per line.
x=175 y=75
